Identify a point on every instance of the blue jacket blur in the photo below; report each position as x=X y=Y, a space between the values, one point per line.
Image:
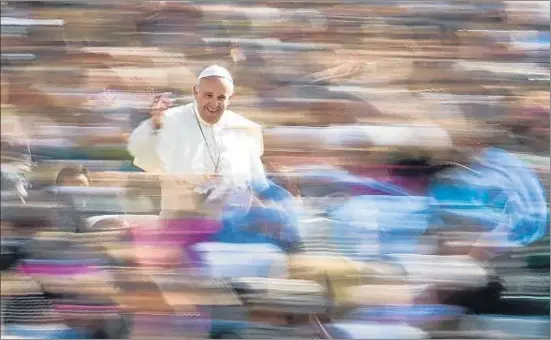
x=262 y=224
x=497 y=189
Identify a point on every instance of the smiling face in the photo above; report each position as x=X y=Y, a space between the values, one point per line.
x=213 y=96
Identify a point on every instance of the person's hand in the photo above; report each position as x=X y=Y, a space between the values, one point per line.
x=161 y=103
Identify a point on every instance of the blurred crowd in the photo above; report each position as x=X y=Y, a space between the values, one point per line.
x=406 y=143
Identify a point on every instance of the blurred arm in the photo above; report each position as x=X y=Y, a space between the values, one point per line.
x=142 y=144
x=171 y=157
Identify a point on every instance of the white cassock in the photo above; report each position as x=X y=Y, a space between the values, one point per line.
x=187 y=146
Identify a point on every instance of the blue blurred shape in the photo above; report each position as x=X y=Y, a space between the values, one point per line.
x=497 y=190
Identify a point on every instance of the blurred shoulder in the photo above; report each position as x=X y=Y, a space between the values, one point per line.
x=182 y=112
x=247 y=129
x=236 y=121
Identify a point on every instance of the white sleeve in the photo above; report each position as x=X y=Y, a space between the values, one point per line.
x=142 y=145
x=168 y=143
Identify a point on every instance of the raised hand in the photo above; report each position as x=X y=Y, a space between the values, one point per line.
x=161 y=103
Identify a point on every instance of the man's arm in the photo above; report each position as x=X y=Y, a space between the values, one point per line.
x=142 y=144
x=143 y=141
x=171 y=140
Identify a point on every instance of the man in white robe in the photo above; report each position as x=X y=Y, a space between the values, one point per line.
x=201 y=145
x=200 y=148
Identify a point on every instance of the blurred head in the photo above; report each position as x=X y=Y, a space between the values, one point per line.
x=77 y=176
x=212 y=93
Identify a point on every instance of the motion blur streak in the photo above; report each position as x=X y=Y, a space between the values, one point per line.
x=406 y=145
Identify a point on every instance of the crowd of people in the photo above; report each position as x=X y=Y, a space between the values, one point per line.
x=260 y=169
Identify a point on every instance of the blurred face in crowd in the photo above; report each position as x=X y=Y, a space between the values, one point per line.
x=213 y=96
x=76 y=181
